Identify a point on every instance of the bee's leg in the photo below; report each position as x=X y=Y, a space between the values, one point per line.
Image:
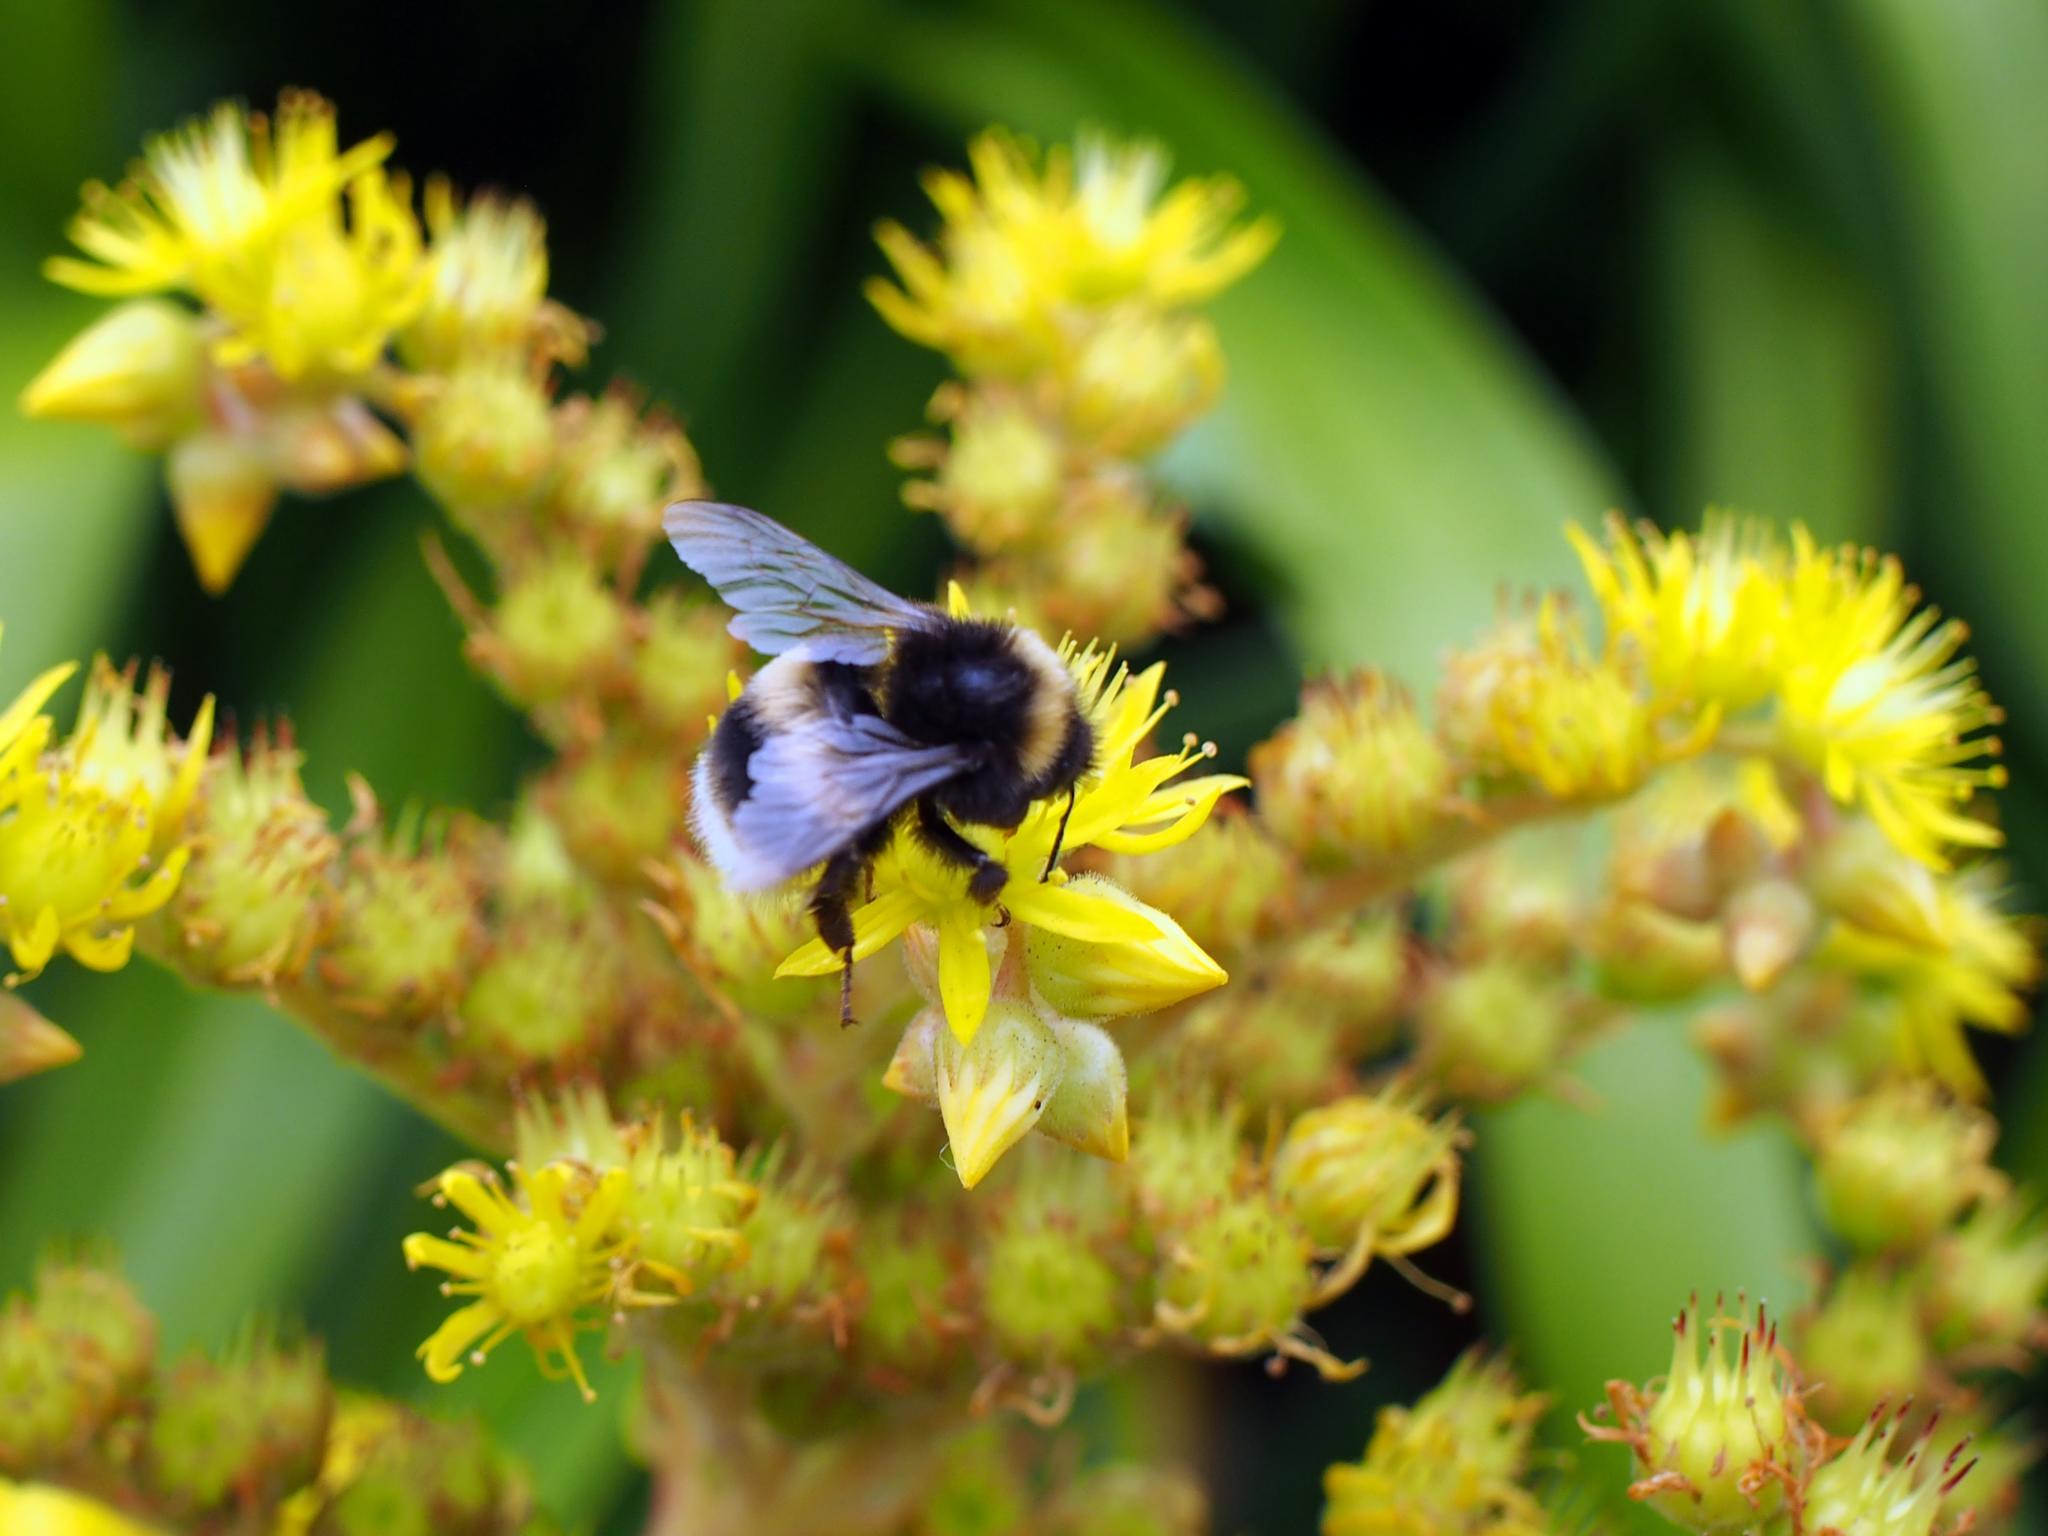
x=830 y=899
x=985 y=876
x=1059 y=838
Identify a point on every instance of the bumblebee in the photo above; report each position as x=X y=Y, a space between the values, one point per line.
x=877 y=715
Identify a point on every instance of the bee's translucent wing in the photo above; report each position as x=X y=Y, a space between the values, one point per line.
x=822 y=782
x=783 y=589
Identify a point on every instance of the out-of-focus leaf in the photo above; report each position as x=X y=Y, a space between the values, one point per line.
x=1956 y=91
x=745 y=124
x=1378 y=431
x=1776 y=360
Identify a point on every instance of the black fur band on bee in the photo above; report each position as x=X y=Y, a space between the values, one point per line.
x=876 y=714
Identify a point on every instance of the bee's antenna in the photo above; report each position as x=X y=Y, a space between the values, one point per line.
x=1059 y=838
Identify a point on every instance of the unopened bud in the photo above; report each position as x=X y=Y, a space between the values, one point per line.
x=1372 y=1171
x=222 y=493
x=1088 y=1111
x=245 y=1428
x=1492 y=1030
x=681 y=664
x=999 y=484
x=1120 y=570
x=1355 y=776
x=1860 y=1488
x=1050 y=1295
x=1645 y=954
x=250 y=907
x=30 y=1043
x=621 y=805
x=1901 y=1164
x=1228 y=885
x=402 y=933
x=993 y=1090
x=1131 y=1500
x=1717 y=1440
x=615 y=471
x=1862 y=1346
x=332 y=446
x=1142 y=376
x=1185 y=1161
x=140 y=369
x=1985 y=1282
x=558 y=629
x=908 y=1284
x=484 y=442
x=546 y=990
x=1769 y=926
x=1238 y=1278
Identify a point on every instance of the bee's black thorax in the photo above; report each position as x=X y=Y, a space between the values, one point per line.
x=736 y=739
x=1001 y=691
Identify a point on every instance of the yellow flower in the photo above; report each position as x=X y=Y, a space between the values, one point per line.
x=534 y=1263
x=1971 y=971
x=487 y=288
x=86 y=829
x=1705 y=613
x=249 y=220
x=1127 y=804
x=1579 y=727
x=1025 y=245
x=1876 y=699
x=38 y=1509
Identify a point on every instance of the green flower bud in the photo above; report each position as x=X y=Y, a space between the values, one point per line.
x=681 y=664
x=1492 y=1030
x=1860 y=1489
x=789 y=1236
x=1123 y=1499
x=483 y=444
x=1239 y=1277
x=1645 y=954
x=1350 y=973
x=1984 y=1283
x=223 y=490
x=977 y=1492
x=1518 y=896
x=1371 y=1171
x=403 y=933
x=251 y=1426
x=50 y=1408
x=250 y=907
x=1186 y=1161
x=687 y=1203
x=733 y=940
x=1088 y=1109
x=100 y=1319
x=558 y=631
x=546 y=989
x=620 y=807
x=615 y=472
x=1901 y=1164
x=1049 y=1294
x=1356 y=776
x=1863 y=1346
x=908 y=1283
x=1715 y=1442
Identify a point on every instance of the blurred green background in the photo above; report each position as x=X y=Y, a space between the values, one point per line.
x=1539 y=260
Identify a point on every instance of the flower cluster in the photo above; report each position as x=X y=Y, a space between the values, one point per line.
x=1061 y=288
x=254 y=1437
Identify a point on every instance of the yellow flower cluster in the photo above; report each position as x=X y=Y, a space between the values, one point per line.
x=1062 y=289
x=90 y=825
x=314 y=282
x=1863 y=685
